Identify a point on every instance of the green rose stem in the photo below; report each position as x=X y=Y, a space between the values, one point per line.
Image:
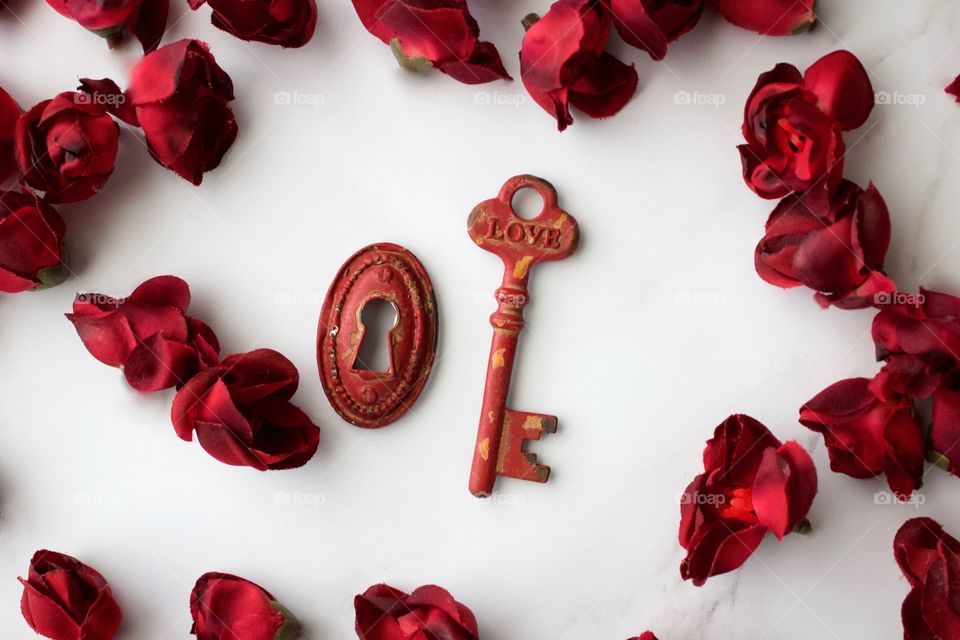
x=52 y=276
x=939 y=459
x=113 y=35
x=290 y=629
x=419 y=65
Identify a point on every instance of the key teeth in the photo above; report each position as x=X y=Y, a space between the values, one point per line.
x=541 y=472
x=514 y=462
x=548 y=424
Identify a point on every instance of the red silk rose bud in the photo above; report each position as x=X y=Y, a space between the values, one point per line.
x=229 y=607
x=929 y=558
x=646 y=635
x=793 y=123
x=241 y=413
x=385 y=613
x=563 y=61
x=837 y=248
x=9 y=114
x=146 y=20
x=66 y=147
x=433 y=33
x=769 y=17
x=652 y=24
x=867 y=436
x=65 y=599
x=32 y=251
x=288 y=23
x=751 y=483
x=146 y=333
x=178 y=95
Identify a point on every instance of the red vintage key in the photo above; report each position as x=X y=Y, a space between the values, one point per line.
x=552 y=235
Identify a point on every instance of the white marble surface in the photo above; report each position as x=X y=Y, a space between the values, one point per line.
x=641 y=343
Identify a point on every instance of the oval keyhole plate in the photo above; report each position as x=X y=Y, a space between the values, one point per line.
x=367 y=391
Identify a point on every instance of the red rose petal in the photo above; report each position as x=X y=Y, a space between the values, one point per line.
x=945 y=429
x=784 y=488
x=769 y=17
x=483 y=65
x=220 y=441
x=286 y=437
x=31 y=240
x=158 y=363
x=637 y=28
x=917 y=545
x=954 y=88
x=186 y=402
x=825 y=260
x=148 y=24
x=9 y=114
x=605 y=90
x=914 y=626
x=155 y=76
x=720 y=547
x=842 y=87
x=168 y=291
x=106 y=335
x=871 y=236
x=261 y=373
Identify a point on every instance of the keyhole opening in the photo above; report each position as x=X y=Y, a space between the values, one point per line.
x=379 y=316
x=527 y=203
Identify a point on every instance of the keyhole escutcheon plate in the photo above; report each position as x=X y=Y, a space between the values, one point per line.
x=364 y=397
